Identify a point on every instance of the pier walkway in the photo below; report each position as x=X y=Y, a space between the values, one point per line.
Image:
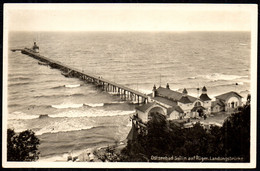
x=106 y=85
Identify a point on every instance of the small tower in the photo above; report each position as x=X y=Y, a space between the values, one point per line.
x=204 y=96
x=184 y=98
x=204 y=90
x=154 y=91
x=167 y=86
x=184 y=92
x=35 y=48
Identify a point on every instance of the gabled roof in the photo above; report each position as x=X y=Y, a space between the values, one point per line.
x=165 y=101
x=204 y=97
x=144 y=107
x=225 y=96
x=175 y=108
x=218 y=102
x=174 y=95
x=185 y=100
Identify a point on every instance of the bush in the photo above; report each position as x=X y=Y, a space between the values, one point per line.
x=23 y=146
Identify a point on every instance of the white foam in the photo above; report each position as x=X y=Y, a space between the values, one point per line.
x=94 y=104
x=240 y=83
x=17 y=115
x=64 y=106
x=118 y=102
x=61 y=128
x=72 y=85
x=145 y=91
x=92 y=112
x=218 y=76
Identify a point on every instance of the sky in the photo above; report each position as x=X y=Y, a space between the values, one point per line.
x=128 y=17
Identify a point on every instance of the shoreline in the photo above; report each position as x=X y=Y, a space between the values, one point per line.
x=82 y=155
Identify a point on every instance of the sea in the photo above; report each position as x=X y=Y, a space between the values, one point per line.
x=68 y=114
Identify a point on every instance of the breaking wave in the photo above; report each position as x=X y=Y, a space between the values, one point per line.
x=94 y=104
x=65 y=106
x=91 y=113
x=17 y=115
x=218 y=77
x=72 y=85
x=60 y=95
x=61 y=128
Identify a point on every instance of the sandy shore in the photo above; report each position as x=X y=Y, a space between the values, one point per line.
x=85 y=155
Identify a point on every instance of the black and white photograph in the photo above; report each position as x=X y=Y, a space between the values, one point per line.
x=129 y=85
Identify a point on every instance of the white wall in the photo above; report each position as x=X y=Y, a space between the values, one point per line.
x=174 y=115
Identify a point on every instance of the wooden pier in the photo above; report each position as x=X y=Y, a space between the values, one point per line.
x=125 y=93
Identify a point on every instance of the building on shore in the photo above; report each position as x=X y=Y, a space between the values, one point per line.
x=227 y=102
x=175 y=105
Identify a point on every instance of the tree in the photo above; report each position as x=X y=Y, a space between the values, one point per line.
x=236 y=134
x=167 y=138
x=23 y=146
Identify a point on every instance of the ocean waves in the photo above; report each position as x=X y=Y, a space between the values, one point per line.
x=60 y=95
x=72 y=120
x=218 y=77
x=90 y=113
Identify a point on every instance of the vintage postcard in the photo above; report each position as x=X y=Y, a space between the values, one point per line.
x=129 y=85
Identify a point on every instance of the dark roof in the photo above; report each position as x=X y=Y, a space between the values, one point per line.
x=184 y=91
x=204 y=89
x=227 y=95
x=204 y=97
x=165 y=101
x=195 y=108
x=175 y=108
x=144 y=107
x=218 y=102
x=185 y=99
x=174 y=95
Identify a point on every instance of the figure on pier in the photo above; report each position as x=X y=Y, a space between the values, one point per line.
x=35 y=48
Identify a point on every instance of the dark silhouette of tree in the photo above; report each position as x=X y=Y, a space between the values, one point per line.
x=166 y=138
x=236 y=134
x=22 y=146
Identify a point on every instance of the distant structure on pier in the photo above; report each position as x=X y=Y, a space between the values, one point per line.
x=35 y=48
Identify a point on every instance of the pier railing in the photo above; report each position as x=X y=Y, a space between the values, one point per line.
x=124 y=92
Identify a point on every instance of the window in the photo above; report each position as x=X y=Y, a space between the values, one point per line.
x=232 y=104
x=197 y=104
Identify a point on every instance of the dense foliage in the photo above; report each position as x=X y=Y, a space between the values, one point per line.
x=22 y=146
x=165 y=138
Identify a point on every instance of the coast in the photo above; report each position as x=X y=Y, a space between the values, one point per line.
x=84 y=155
